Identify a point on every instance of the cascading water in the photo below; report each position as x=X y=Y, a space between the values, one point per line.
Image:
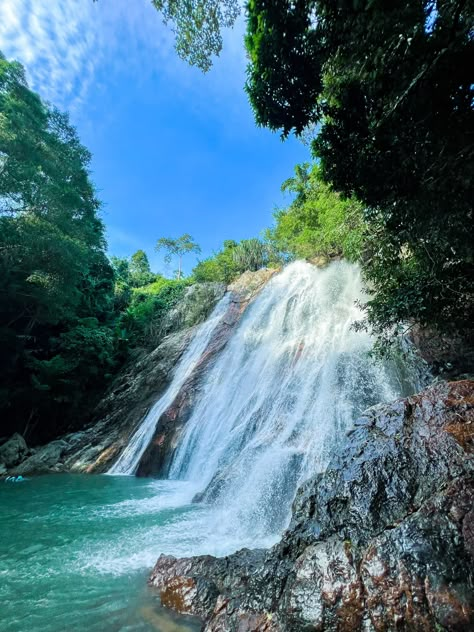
x=128 y=461
x=287 y=386
x=271 y=407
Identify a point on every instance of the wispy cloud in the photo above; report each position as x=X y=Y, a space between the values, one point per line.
x=72 y=48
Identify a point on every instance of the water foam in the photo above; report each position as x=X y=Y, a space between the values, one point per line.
x=290 y=382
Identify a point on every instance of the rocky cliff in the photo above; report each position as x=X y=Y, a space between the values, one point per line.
x=382 y=540
x=157 y=457
x=137 y=387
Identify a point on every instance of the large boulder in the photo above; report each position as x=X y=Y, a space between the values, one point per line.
x=381 y=541
x=12 y=451
x=43 y=460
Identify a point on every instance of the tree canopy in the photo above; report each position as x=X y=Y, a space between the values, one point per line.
x=198 y=26
x=389 y=88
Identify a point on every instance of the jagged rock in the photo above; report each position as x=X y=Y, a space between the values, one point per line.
x=381 y=541
x=13 y=450
x=45 y=459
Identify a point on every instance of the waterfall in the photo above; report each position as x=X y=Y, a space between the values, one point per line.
x=282 y=393
x=128 y=461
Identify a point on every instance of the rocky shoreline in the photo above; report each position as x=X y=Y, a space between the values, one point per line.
x=382 y=540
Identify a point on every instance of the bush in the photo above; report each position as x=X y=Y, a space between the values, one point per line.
x=318 y=221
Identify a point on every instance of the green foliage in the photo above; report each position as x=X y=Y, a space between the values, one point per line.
x=122 y=286
x=177 y=248
x=78 y=358
x=56 y=283
x=197 y=25
x=318 y=221
x=142 y=322
x=234 y=259
x=140 y=272
x=220 y=268
x=251 y=254
x=129 y=274
x=285 y=53
x=389 y=89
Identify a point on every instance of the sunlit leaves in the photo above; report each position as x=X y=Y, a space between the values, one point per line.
x=198 y=26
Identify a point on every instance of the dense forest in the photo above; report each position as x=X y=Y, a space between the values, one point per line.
x=384 y=91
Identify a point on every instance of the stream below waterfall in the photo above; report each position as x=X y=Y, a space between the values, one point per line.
x=75 y=551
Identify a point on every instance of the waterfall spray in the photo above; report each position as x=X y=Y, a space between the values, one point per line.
x=290 y=382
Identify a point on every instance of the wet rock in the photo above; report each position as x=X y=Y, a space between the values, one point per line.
x=249 y=284
x=12 y=451
x=45 y=459
x=194 y=307
x=146 y=376
x=448 y=355
x=127 y=401
x=134 y=390
x=383 y=540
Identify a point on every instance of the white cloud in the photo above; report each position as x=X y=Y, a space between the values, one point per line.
x=71 y=48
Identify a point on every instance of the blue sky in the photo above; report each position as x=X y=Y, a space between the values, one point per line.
x=174 y=150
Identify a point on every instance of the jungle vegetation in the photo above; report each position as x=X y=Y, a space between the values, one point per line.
x=387 y=89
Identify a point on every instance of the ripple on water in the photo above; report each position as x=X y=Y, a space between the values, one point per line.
x=75 y=552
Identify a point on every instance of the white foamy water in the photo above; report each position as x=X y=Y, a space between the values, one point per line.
x=279 y=397
x=290 y=382
x=129 y=460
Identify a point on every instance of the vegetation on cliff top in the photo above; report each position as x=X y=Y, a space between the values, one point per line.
x=68 y=315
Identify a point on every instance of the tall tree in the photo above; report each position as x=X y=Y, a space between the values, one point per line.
x=140 y=271
x=55 y=279
x=177 y=248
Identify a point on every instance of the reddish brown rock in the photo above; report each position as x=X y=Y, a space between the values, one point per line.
x=381 y=541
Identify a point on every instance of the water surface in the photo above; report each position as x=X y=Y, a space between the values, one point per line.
x=75 y=552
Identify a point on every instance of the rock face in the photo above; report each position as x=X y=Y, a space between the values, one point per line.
x=12 y=451
x=383 y=540
x=132 y=393
x=157 y=457
x=447 y=355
